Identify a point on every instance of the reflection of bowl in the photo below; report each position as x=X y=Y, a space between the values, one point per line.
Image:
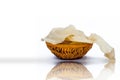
x=69 y=71
x=69 y=50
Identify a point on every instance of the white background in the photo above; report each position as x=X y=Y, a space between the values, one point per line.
x=24 y=22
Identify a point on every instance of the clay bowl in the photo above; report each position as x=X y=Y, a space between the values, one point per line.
x=69 y=49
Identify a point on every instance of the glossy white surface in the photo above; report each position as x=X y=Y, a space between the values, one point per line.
x=24 y=22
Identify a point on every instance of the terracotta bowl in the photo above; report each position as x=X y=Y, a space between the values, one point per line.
x=69 y=49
